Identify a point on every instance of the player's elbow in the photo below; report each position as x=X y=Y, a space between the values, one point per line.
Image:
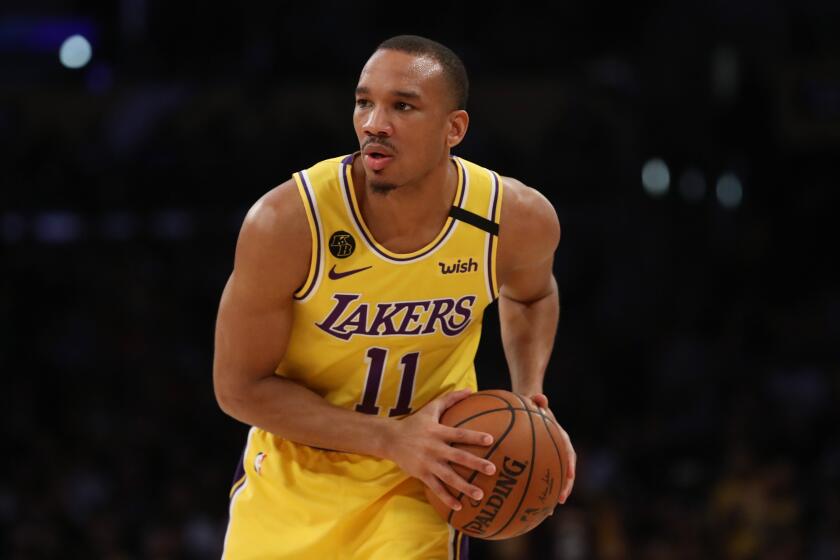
x=224 y=400
x=229 y=396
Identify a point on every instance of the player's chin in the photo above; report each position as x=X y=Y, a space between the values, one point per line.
x=381 y=186
x=383 y=181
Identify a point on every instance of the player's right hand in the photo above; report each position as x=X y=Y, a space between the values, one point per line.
x=420 y=445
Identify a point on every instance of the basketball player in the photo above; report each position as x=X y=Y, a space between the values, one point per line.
x=352 y=317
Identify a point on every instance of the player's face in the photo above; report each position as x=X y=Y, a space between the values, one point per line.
x=403 y=118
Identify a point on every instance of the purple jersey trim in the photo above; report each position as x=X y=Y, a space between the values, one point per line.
x=311 y=204
x=492 y=218
x=359 y=224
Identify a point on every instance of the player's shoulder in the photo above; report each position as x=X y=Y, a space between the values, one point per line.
x=282 y=211
x=527 y=215
x=529 y=229
x=279 y=211
x=274 y=244
x=275 y=232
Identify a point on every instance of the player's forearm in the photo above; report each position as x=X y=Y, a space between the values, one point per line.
x=528 y=330
x=291 y=411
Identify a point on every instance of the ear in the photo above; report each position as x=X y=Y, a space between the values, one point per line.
x=459 y=121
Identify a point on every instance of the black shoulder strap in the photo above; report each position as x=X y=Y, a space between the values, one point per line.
x=474 y=220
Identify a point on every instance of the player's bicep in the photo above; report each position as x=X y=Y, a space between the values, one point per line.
x=251 y=334
x=256 y=308
x=529 y=283
x=528 y=236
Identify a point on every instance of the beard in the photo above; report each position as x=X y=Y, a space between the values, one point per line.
x=382 y=187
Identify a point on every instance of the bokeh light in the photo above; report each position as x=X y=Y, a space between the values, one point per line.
x=656 y=178
x=729 y=190
x=75 y=52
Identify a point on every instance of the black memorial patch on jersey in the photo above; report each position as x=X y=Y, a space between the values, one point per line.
x=342 y=244
x=474 y=220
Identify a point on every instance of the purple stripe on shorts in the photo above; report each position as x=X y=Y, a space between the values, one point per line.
x=240 y=468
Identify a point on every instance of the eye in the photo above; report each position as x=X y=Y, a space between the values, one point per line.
x=362 y=103
x=402 y=106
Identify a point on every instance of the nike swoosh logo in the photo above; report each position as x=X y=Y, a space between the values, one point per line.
x=336 y=275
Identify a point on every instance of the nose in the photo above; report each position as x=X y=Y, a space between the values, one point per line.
x=377 y=123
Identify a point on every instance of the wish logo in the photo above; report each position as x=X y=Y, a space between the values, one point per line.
x=459 y=266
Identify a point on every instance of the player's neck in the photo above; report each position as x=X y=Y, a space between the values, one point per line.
x=410 y=216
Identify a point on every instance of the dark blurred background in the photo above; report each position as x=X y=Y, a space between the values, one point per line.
x=691 y=151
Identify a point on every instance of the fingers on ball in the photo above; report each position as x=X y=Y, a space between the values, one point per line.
x=451 y=478
x=471 y=461
x=469 y=437
x=442 y=493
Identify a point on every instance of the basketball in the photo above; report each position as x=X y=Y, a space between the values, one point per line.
x=529 y=474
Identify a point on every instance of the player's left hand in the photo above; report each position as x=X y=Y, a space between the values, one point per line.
x=568 y=455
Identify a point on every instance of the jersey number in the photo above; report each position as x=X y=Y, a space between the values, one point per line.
x=375 y=359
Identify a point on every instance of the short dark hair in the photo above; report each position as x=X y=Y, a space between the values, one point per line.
x=453 y=67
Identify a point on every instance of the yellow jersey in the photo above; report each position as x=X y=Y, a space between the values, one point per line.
x=381 y=333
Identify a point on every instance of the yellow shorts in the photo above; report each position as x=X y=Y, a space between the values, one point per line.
x=292 y=501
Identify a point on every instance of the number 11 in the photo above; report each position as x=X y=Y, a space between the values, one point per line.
x=376 y=358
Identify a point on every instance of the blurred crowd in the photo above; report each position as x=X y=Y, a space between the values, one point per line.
x=696 y=367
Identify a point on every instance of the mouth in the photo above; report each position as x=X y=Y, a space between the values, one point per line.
x=377 y=158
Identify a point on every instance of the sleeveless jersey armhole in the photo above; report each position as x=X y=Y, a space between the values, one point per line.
x=494 y=213
x=309 y=205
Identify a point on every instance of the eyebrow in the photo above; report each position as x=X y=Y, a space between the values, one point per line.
x=397 y=93
x=408 y=94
